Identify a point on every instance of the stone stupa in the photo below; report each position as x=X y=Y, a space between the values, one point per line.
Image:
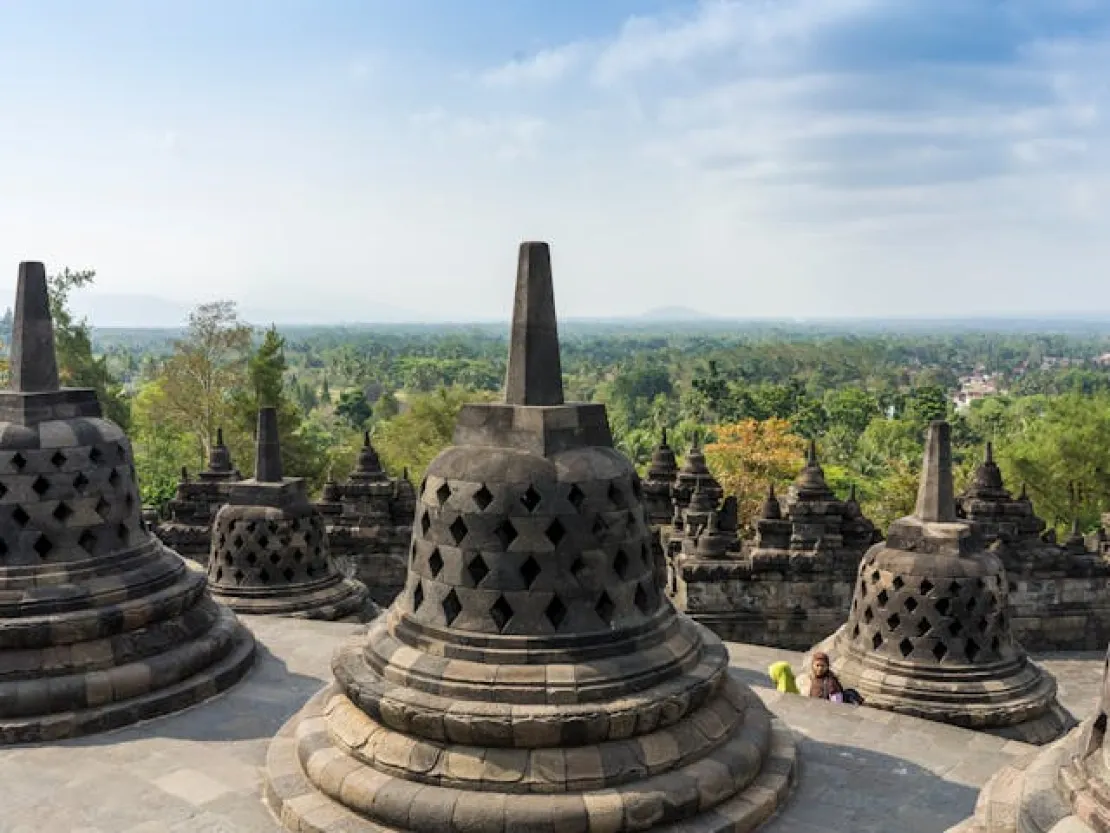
x=100 y=624
x=928 y=633
x=270 y=547
x=1064 y=788
x=657 y=483
x=531 y=676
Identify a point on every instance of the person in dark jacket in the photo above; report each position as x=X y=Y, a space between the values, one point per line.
x=824 y=683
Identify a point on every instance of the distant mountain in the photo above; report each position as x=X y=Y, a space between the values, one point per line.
x=114 y=310
x=674 y=314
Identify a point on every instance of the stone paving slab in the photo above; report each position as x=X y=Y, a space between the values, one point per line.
x=200 y=771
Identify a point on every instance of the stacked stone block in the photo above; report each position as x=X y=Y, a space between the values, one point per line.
x=929 y=633
x=270 y=547
x=531 y=676
x=100 y=624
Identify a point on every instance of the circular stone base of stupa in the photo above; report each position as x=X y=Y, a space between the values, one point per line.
x=1015 y=700
x=698 y=753
x=1052 y=791
x=336 y=599
x=116 y=663
x=271 y=561
x=313 y=783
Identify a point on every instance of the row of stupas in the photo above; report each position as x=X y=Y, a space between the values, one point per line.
x=532 y=675
x=688 y=503
x=811 y=520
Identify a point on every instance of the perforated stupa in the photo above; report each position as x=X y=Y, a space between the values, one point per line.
x=100 y=624
x=531 y=676
x=929 y=632
x=270 y=547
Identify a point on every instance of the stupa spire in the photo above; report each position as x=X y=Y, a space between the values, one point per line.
x=989 y=457
x=534 y=375
x=34 y=364
x=267 y=467
x=936 y=501
x=811 y=453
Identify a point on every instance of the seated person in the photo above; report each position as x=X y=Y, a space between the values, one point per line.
x=825 y=683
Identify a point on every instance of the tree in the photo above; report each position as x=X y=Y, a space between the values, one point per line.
x=77 y=367
x=266 y=369
x=750 y=454
x=413 y=438
x=927 y=403
x=1062 y=453
x=205 y=371
x=161 y=447
x=353 y=408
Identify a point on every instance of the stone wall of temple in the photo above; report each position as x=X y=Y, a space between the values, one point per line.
x=780 y=605
x=792 y=585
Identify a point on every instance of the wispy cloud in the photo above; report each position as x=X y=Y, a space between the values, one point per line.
x=544 y=67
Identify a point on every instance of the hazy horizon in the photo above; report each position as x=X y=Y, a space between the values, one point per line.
x=346 y=161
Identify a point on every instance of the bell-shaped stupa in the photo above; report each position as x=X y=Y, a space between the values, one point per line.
x=100 y=624
x=531 y=676
x=928 y=633
x=1064 y=788
x=270 y=547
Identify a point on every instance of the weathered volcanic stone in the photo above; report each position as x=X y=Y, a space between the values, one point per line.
x=1064 y=788
x=929 y=632
x=100 y=624
x=660 y=478
x=1010 y=521
x=531 y=676
x=187 y=527
x=270 y=547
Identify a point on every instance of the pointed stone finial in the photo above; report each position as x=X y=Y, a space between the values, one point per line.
x=852 y=493
x=811 y=453
x=267 y=467
x=219 y=436
x=33 y=362
x=990 y=453
x=365 y=439
x=535 y=374
x=1024 y=493
x=664 y=440
x=936 y=500
x=405 y=473
x=184 y=474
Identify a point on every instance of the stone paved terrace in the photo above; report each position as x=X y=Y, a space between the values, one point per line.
x=199 y=771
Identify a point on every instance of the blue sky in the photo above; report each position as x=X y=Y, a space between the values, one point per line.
x=755 y=158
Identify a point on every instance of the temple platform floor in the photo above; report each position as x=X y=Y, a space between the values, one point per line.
x=199 y=771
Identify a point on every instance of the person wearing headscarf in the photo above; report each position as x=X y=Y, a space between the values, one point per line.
x=825 y=684
x=782 y=675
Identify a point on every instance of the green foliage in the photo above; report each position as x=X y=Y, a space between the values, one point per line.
x=413 y=438
x=353 y=408
x=161 y=448
x=866 y=397
x=266 y=369
x=77 y=366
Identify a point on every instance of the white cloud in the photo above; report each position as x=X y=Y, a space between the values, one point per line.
x=544 y=67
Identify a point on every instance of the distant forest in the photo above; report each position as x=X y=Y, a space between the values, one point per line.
x=753 y=393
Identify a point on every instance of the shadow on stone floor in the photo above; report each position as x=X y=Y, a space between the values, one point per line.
x=750 y=677
x=253 y=709
x=847 y=788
